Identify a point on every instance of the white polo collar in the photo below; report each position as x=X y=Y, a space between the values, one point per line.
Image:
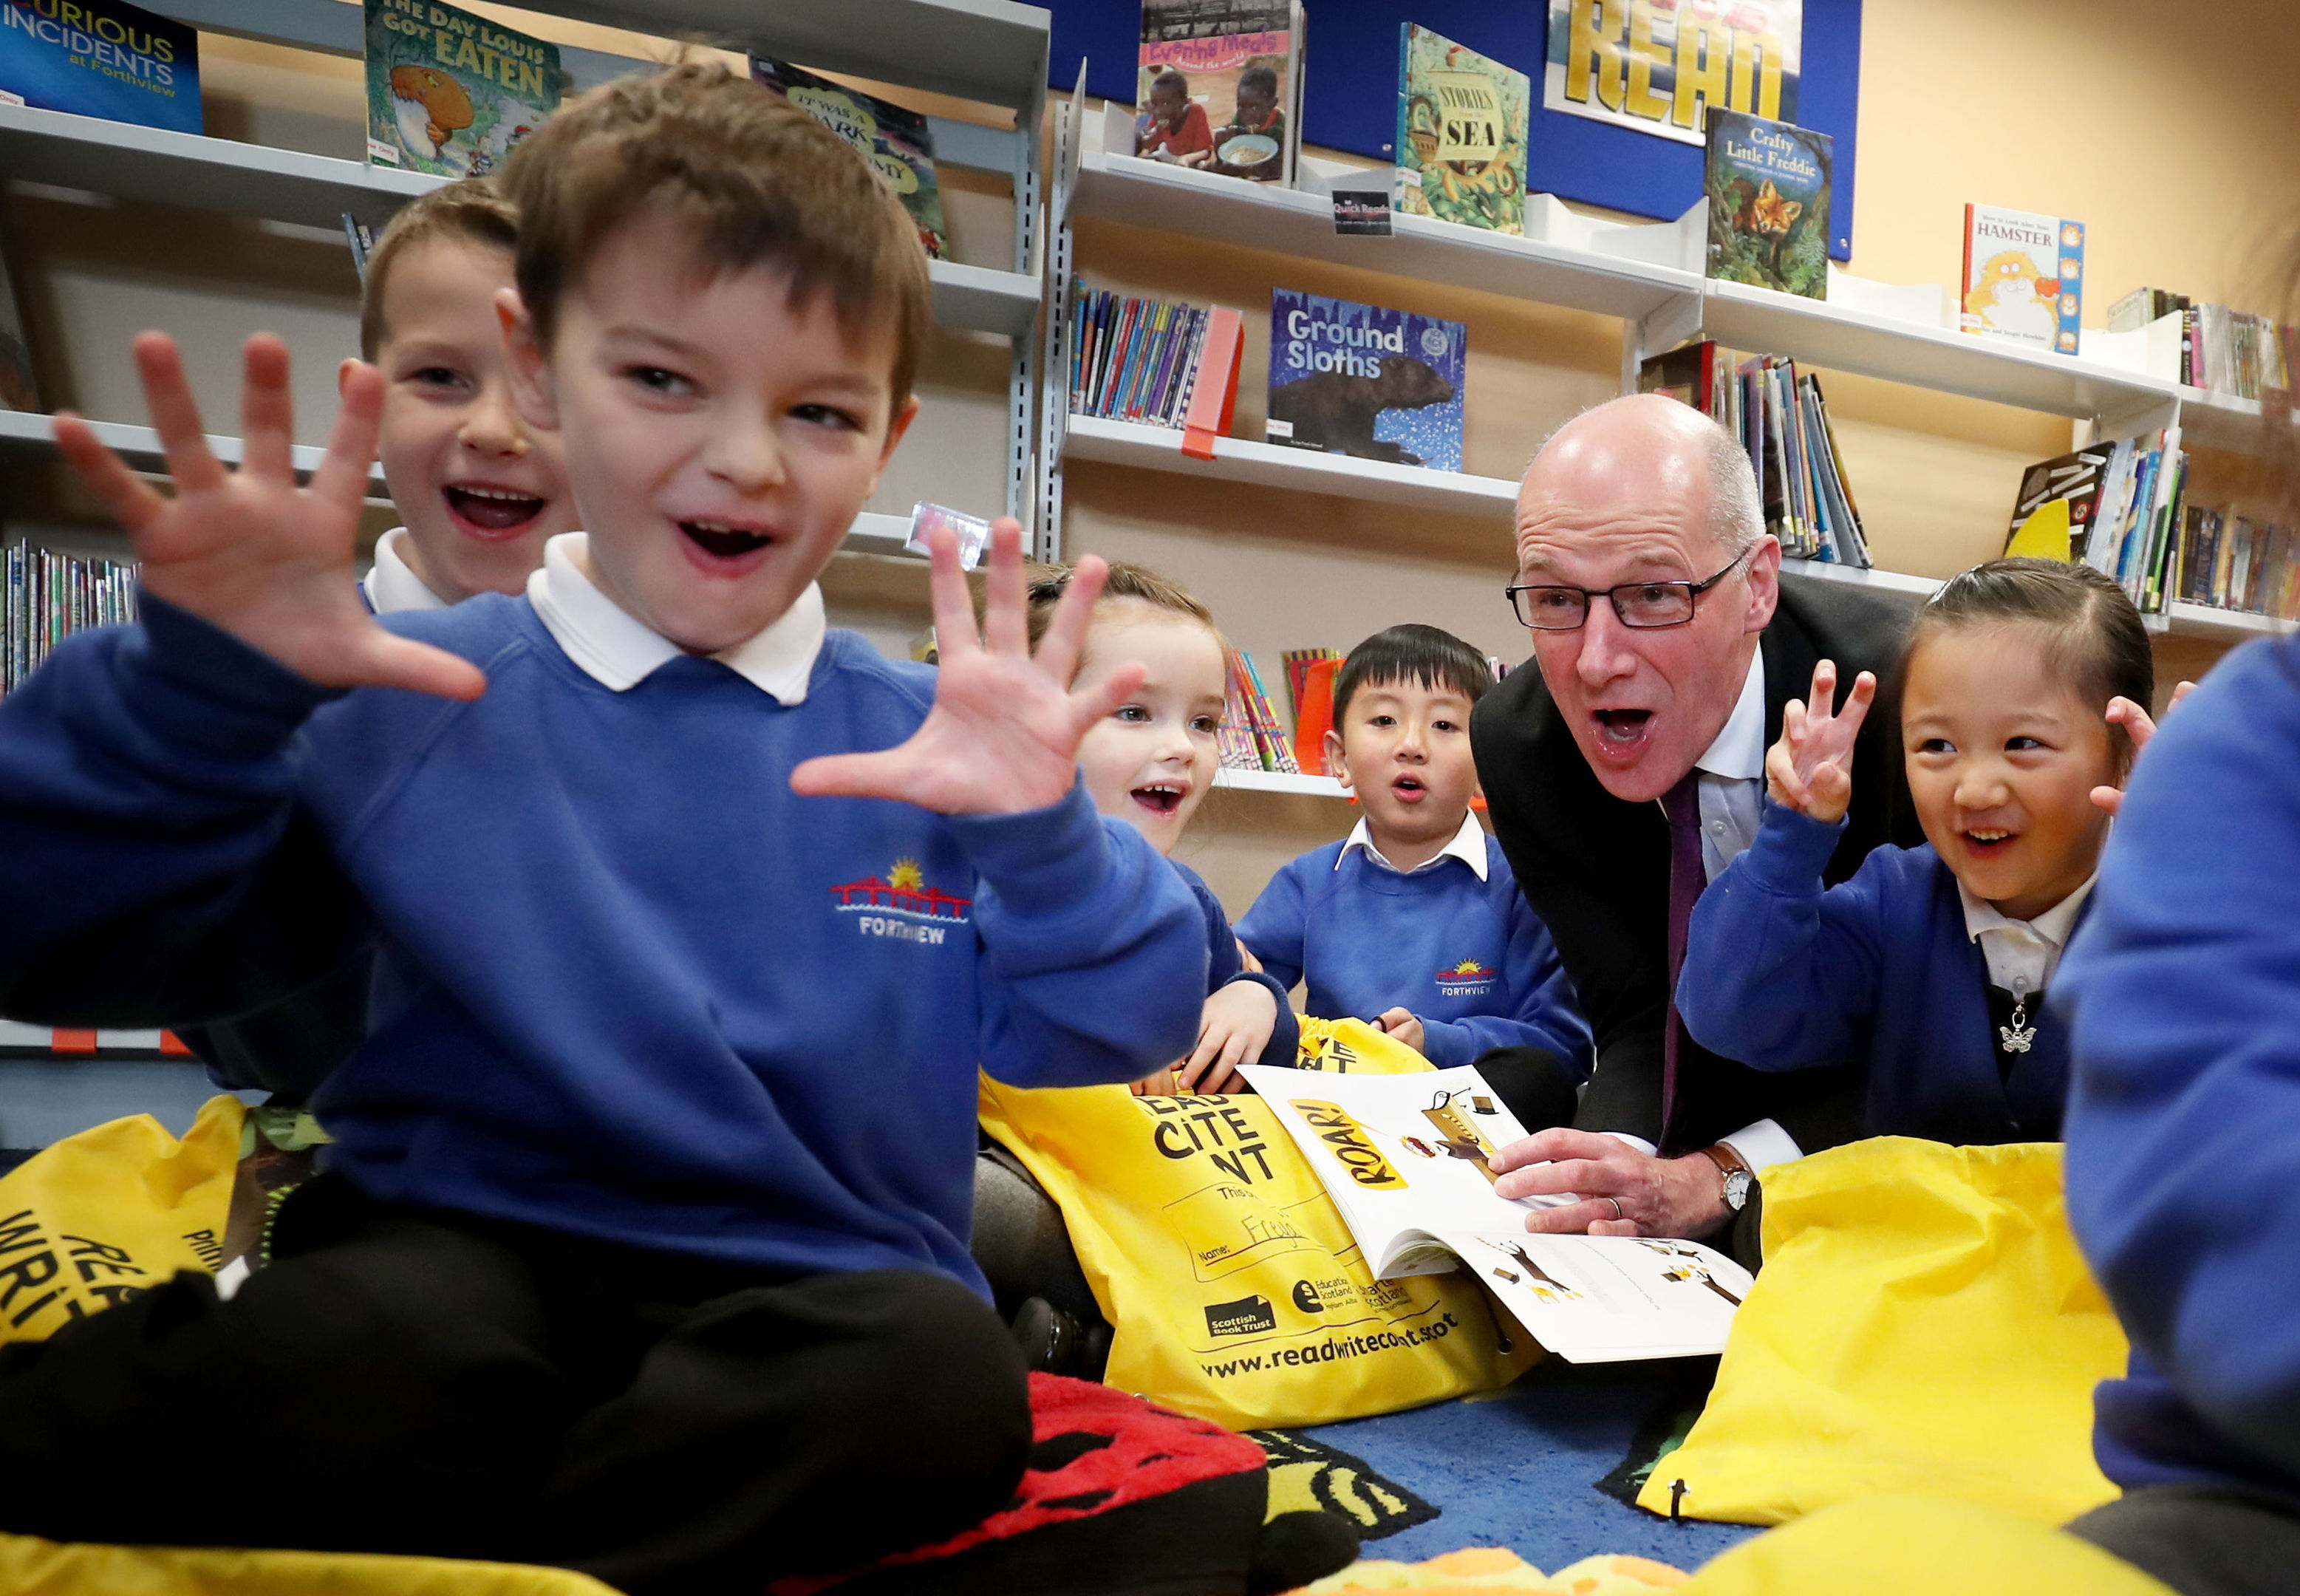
x=2051 y=927
x=1738 y=754
x=391 y=584
x=1469 y=845
x=619 y=651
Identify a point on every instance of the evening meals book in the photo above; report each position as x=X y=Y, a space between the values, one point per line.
x=1232 y=100
x=450 y=93
x=1405 y=1159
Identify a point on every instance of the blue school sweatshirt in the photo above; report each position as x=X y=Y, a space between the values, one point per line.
x=630 y=985
x=2184 y=1119
x=1782 y=974
x=1224 y=966
x=1465 y=956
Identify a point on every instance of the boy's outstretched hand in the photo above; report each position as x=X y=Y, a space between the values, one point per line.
x=1810 y=769
x=2140 y=728
x=249 y=551
x=1004 y=734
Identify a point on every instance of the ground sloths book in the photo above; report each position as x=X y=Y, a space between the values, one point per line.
x=449 y=93
x=100 y=58
x=1461 y=134
x=1218 y=86
x=1768 y=190
x=1358 y=380
x=897 y=143
x=2023 y=277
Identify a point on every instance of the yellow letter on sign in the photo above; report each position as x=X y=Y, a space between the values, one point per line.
x=1593 y=53
x=1704 y=64
x=1645 y=54
x=1747 y=47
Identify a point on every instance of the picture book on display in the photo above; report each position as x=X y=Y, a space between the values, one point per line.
x=449 y=93
x=1461 y=134
x=898 y=144
x=1219 y=87
x=1405 y=1159
x=1351 y=379
x=2023 y=277
x=2115 y=506
x=100 y=58
x=1768 y=187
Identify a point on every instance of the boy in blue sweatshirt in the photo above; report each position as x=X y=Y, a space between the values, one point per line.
x=2184 y=1137
x=1414 y=921
x=642 y=1245
x=2023 y=688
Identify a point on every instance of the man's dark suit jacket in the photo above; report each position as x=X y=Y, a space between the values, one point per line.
x=1596 y=869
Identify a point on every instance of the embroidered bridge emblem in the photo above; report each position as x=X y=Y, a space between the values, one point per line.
x=901 y=906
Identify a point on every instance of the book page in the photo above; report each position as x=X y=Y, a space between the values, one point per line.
x=1401 y=1153
x=1606 y=1299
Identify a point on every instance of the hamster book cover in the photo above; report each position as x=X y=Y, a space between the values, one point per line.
x=449 y=93
x=2023 y=277
x=100 y=58
x=1351 y=379
x=1768 y=190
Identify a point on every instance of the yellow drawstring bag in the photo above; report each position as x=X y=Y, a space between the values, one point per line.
x=1896 y=1546
x=1233 y=1289
x=102 y=1214
x=34 y=1568
x=1923 y=1326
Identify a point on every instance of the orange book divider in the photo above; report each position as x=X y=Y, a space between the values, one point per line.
x=1214 y=394
x=1317 y=717
x=72 y=1041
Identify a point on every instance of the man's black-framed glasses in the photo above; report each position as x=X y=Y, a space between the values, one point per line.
x=1644 y=605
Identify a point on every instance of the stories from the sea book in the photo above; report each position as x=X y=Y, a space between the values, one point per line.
x=449 y=93
x=897 y=142
x=1461 y=134
x=1358 y=380
x=100 y=58
x=1768 y=191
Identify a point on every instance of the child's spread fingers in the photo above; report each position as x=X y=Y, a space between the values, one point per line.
x=848 y=776
x=1856 y=704
x=1090 y=706
x=1006 y=601
x=1065 y=641
x=1824 y=687
x=954 y=605
x=267 y=412
x=341 y=479
x=2110 y=800
x=175 y=415
x=130 y=500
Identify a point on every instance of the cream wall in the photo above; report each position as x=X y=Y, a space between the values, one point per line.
x=2167 y=134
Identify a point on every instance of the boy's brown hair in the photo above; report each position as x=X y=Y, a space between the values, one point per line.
x=1048 y=583
x=472 y=211
x=756 y=181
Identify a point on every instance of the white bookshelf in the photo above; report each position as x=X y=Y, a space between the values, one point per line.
x=1296 y=471
x=1269 y=780
x=2179 y=618
x=1916 y=590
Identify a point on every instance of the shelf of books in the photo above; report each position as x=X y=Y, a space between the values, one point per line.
x=27 y=433
x=2179 y=618
x=1295 y=470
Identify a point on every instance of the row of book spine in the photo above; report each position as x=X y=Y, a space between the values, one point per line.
x=2233 y=563
x=1133 y=359
x=49 y=598
x=1251 y=736
x=2223 y=351
x=2132 y=534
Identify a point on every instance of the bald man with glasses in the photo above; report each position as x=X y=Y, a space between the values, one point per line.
x=1627 y=770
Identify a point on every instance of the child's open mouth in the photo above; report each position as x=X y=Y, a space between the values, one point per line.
x=1988 y=842
x=1160 y=798
x=722 y=540
x=1409 y=790
x=487 y=511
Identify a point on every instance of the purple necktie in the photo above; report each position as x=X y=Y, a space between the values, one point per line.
x=1686 y=878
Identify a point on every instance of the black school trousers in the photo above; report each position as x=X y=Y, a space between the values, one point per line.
x=409 y=1380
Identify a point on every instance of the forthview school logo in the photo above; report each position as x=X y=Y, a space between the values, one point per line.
x=902 y=907
x=1468 y=979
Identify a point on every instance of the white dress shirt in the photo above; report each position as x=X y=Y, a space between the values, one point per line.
x=619 y=651
x=1469 y=845
x=391 y=584
x=2022 y=954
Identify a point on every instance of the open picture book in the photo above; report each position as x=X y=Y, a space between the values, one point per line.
x=1405 y=1159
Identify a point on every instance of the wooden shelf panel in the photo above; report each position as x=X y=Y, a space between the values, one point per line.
x=1298 y=471
x=1258 y=216
x=251 y=179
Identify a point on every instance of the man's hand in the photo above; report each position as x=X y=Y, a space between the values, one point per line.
x=1810 y=769
x=2137 y=726
x=1400 y=1025
x=249 y=551
x=1622 y=1191
x=1004 y=734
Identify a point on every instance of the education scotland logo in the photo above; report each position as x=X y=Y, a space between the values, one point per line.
x=901 y=906
x=1468 y=979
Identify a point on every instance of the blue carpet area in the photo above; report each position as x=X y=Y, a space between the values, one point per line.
x=1520 y=1470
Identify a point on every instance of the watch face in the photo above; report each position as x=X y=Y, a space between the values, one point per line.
x=1737 y=1189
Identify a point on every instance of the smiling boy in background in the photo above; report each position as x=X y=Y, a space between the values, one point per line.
x=1414 y=921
